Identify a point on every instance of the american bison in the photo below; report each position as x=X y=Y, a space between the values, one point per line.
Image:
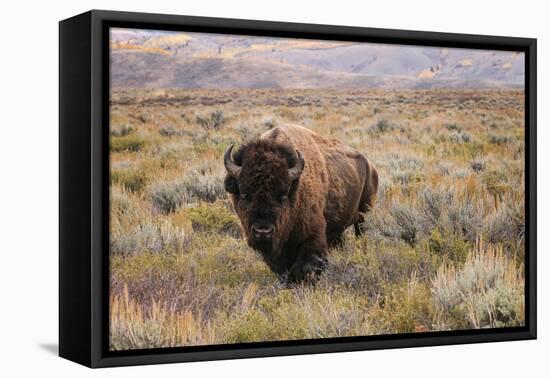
x=295 y=193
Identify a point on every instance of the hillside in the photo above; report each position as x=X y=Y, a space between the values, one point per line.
x=191 y=60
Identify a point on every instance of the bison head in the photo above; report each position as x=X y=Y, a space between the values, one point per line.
x=263 y=179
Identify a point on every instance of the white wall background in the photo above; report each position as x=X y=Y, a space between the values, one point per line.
x=29 y=186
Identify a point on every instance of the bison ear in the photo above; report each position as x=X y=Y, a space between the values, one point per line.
x=231 y=185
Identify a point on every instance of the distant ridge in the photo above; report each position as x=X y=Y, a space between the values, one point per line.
x=190 y=60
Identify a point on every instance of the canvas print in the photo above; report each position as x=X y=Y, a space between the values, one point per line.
x=272 y=189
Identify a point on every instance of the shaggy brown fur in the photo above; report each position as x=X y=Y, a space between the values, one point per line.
x=303 y=216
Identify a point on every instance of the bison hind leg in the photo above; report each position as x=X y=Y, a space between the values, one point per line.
x=367 y=200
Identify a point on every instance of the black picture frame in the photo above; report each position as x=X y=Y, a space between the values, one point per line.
x=84 y=192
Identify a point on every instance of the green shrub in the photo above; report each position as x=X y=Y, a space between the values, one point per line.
x=382 y=126
x=168 y=131
x=506 y=224
x=269 y=123
x=407 y=221
x=464 y=219
x=168 y=196
x=149 y=237
x=204 y=187
x=460 y=137
x=405 y=308
x=496 y=182
x=399 y=221
x=448 y=246
x=500 y=140
x=129 y=143
x=227 y=262
x=249 y=131
x=437 y=208
x=275 y=318
x=214 y=218
x=406 y=169
x=172 y=131
x=144 y=118
x=478 y=166
x=132 y=179
x=194 y=187
x=122 y=130
x=119 y=200
x=453 y=127
x=486 y=292
x=368 y=267
x=214 y=121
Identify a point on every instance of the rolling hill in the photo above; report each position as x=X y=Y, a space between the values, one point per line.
x=198 y=60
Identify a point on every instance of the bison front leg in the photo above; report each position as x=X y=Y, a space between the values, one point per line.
x=311 y=260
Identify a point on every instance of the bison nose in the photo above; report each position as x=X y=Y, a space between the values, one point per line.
x=262 y=232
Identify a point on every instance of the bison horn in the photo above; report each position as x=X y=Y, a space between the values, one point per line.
x=296 y=171
x=230 y=165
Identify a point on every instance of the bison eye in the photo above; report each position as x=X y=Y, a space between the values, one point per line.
x=283 y=197
x=245 y=197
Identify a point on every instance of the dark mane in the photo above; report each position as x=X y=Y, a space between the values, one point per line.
x=265 y=147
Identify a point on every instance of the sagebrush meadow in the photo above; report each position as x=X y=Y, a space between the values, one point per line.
x=437 y=134
x=443 y=247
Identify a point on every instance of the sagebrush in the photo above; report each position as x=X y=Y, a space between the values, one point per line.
x=443 y=248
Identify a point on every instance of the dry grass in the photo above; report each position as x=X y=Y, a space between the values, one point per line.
x=487 y=291
x=443 y=248
x=131 y=328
